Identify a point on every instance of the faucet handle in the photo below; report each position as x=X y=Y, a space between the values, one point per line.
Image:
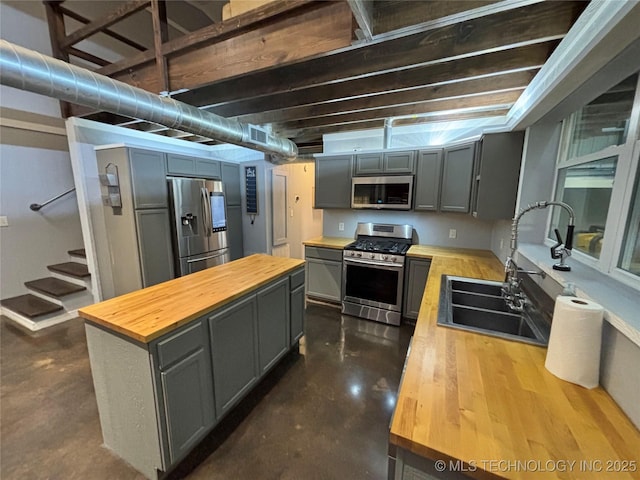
x=556 y=250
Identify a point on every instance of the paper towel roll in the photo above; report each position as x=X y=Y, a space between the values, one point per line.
x=575 y=341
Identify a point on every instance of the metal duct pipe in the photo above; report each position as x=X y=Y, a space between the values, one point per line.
x=28 y=70
x=386 y=140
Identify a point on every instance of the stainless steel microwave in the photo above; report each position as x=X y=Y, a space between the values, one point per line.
x=391 y=193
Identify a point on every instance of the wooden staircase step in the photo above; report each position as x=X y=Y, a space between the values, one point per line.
x=30 y=305
x=80 y=252
x=54 y=286
x=73 y=269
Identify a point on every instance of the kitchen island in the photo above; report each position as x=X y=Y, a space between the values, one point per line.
x=488 y=408
x=169 y=361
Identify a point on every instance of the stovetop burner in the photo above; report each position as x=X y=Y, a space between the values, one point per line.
x=379 y=245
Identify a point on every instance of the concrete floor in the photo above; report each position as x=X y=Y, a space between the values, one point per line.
x=321 y=414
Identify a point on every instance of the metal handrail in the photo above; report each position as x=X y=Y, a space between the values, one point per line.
x=37 y=206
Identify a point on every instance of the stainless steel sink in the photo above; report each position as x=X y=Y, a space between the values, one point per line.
x=477 y=306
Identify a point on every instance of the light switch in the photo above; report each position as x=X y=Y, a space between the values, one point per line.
x=4 y=221
x=453 y=233
x=341 y=226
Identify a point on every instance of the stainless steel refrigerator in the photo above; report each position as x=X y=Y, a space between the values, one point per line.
x=199 y=224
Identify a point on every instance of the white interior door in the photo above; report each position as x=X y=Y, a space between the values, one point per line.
x=279 y=209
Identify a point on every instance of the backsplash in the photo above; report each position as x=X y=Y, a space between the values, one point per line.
x=429 y=228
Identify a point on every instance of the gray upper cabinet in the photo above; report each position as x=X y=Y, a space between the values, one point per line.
x=428 y=176
x=192 y=166
x=399 y=162
x=496 y=175
x=385 y=163
x=273 y=323
x=333 y=182
x=369 y=164
x=457 y=172
x=230 y=173
x=234 y=351
x=183 y=362
x=148 y=179
x=416 y=273
x=154 y=245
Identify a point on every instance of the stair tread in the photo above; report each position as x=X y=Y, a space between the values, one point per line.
x=54 y=286
x=30 y=305
x=74 y=269
x=80 y=252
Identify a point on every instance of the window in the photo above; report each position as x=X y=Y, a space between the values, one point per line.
x=630 y=253
x=596 y=175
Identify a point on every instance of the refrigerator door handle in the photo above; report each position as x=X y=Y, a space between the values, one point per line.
x=200 y=259
x=206 y=210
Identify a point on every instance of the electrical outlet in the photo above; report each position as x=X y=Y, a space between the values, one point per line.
x=341 y=226
x=501 y=243
x=453 y=233
x=4 y=221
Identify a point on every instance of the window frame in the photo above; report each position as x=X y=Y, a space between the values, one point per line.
x=621 y=195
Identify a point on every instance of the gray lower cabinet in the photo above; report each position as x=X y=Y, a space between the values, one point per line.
x=333 y=182
x=234 y=231
x=409 y=466
x=273 y=323
x=234 y=349
x=186 y=403
x=457 y=172
x=297 y=315
x=154 y=245
x=324 y=273
x=428 y=175
x=416 y=273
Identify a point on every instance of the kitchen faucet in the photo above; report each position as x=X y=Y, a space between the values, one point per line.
x=511 y=290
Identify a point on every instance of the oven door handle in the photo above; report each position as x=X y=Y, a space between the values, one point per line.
x=390 y=266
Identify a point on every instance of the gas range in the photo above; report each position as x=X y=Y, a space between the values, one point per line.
x=373 y=272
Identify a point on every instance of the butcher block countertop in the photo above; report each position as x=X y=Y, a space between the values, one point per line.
x=328 y=242
x=154 y=311
x=488 y=401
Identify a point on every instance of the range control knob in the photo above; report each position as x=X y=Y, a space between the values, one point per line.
x=393 y=259
x=352 y=253
x=373 y=255
x=385 y=257
x=359 y=254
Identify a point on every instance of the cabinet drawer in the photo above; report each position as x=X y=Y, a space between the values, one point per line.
x=180 y=345
x=297 y=279
x=323 y=253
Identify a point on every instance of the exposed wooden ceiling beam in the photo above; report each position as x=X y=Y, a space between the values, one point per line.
x=503 y=31
x=87 y=56
x=528 y=57
x=492 y=83
x=106 y=31
x=211 y=34
x=106 y=21
x=479 y=100
x=160 y=36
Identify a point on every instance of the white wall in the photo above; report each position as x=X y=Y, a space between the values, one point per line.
x=431 y=228
x=34 y=240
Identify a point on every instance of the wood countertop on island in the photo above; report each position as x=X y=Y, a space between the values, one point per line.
x=488 y=401
x=149 y=313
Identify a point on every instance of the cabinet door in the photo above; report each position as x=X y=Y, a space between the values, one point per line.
x=333 y=182
x=231 y=179
x=457 y=173
x=399 y=162
x=148 y=179
x=154 y=246
x=498 y=172
x=207 y=168
x=428 y=176
x=189 y=407
x=234 y=232
x=181 y=165
x=415 y=281
x=234 y=352
x=324 y=279
x=297 y=314
x=369 y=164
x=273 y=323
